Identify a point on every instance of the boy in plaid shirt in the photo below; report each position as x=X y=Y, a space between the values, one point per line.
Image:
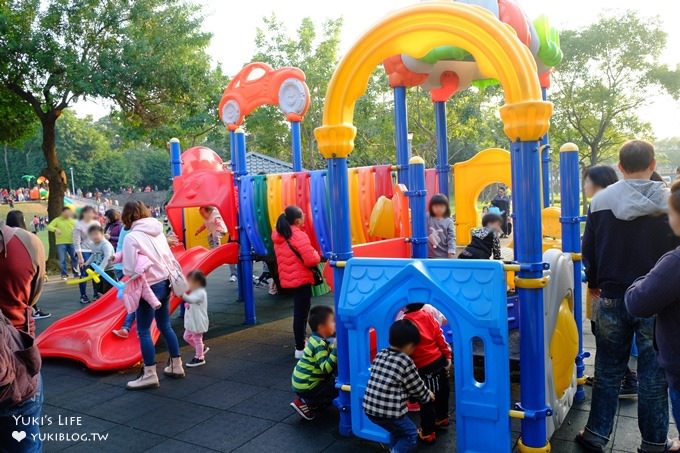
x=394 y=379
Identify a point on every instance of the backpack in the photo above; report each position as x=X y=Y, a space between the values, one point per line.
x=19 y=364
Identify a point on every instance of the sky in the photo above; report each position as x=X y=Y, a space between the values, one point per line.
x=233 y=24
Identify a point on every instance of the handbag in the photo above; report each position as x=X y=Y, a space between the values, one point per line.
x=316 y=272
x=178 y=282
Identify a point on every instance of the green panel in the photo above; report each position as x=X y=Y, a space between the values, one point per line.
x=446 y=53
x=262 y=212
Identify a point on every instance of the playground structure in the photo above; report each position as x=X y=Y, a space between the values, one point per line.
x=350 y=212
x=369 y=292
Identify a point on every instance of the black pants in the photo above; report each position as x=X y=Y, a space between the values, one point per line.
x=435 y=379
x=103 y=286
x=302 y=299
x=322 y=395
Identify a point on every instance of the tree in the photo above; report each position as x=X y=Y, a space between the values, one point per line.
x=145 y=55
x=609 y=71
x=317 y=56
x=16 y=122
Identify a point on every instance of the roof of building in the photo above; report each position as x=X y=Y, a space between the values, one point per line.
x=257 y=163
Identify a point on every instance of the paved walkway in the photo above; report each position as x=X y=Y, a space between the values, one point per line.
x=237 y=402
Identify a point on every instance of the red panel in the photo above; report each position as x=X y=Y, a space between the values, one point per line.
x=204 y=188
x=383 y=181
x=431 y=184
x=302 y=192
x=86 y=335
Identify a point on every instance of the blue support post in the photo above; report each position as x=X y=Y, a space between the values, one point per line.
x=416 y=197
x=296 y=145
x=443 y=168
x=232 y=152
x=176 y=170
x=175 y=157
x=401 y=135
x=234 y=158
x=545 y=161
x=570 y=190
x=342 y=251
x=529 y=252
x=245 y=258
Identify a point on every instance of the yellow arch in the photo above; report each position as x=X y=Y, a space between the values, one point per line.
x=470 y=178
x=416 y=30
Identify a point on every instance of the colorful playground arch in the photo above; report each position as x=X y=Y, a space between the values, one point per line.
x=416 y=30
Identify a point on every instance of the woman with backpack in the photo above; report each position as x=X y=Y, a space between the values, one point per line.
x=295 y=256
x=22 y=266
x=146 y=238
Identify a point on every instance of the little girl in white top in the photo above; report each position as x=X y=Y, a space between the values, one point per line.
x=196 y=316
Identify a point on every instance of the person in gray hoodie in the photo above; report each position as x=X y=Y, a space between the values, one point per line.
x=83 y=248
x=626 y=233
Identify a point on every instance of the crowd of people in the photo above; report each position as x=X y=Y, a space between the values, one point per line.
x=630 y=252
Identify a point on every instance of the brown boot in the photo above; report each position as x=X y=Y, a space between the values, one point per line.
x=147 y=379
x=174 y=368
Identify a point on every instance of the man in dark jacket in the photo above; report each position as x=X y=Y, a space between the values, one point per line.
x=626 y=233
x=502 y=202
x=22 y=268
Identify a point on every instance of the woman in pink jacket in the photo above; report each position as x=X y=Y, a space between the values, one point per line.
x=146 y=238
x=294 y=273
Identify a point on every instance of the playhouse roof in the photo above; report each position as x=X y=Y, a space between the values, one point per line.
x=257 y=163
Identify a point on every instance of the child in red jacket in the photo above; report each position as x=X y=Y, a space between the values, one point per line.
x=432 y=357
x=295 y=256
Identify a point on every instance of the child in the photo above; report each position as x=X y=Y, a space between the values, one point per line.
x=394 y=379
x=485 y=242
x=213 y=223
x=102 y=256
x=442 y=239
x=196 y=316
x=314 y=376
x=217 y=229
x=432 y=357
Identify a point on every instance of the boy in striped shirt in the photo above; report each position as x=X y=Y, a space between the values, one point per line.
x=314 y=375
x=394 y=379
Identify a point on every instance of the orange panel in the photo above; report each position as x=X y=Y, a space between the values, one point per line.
x=366 y=197
x=288 y=196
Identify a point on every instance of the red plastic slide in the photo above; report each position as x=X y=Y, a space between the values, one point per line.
x=86 y=335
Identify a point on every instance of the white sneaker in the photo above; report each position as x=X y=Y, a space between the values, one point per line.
x=232 y=278
x=299 y=354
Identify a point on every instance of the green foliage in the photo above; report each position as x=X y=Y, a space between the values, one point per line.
x=100 y=158
x=316 y=53
x=610 y=69
x=147 y=56
x=16 y=118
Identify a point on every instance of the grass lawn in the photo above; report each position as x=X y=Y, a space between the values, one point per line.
x=29 y=208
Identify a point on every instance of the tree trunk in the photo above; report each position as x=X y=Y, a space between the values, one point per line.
x=53 y=172
x=9 y=177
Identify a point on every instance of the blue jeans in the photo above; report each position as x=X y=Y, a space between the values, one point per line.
x=146 y=314
x=62 y=251
x=129 y=319
x=25 y=411
x=403 y=433
x=675 y=403
x=614 y=329
x=83 y=286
